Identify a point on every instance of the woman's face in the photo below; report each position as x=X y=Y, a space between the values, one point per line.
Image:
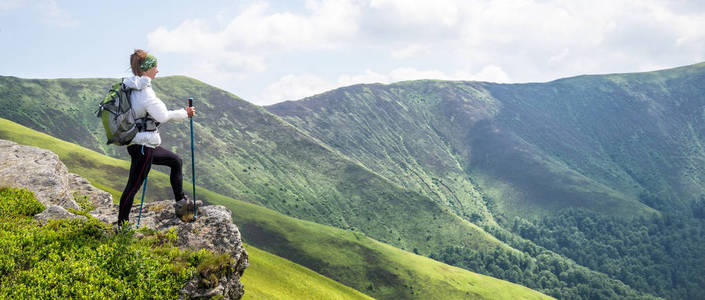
x=151 y=73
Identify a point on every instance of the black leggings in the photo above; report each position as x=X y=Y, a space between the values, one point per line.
x=140 y=165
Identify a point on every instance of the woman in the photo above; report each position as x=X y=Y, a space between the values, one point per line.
x=144 y=148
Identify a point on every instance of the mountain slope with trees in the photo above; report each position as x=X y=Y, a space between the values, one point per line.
x=624 y=149
x=622 y=144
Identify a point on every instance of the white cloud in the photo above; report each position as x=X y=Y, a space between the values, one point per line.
x=541 y=40
x=327 y=24
x=500 y=41
x=491 y=73
x=189 y=37
x=550 y=39
x=248 y=40
x=444 y=13
x=54 y=15
x=294 y=87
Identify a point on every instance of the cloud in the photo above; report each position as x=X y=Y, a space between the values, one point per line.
x=54 y=15
x=294 y=87
x=541 y=40
x=421 y=15
x=545 y=40
x=327 y=24
x=361 y=41
x=243 y=46
x=245 y=43
x=491 y=73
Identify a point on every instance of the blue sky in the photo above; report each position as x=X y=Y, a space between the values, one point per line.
x=270 y=51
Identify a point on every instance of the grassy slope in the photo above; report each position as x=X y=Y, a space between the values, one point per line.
x=399 y=133
x=348 y=257
x=598 y=142
x=638 y=134
x=272 y=277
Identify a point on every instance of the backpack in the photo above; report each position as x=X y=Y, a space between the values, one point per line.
x=119 y=120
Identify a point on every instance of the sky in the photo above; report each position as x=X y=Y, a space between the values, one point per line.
x=271 y=51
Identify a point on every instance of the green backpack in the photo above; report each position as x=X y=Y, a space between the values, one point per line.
x=121 y=124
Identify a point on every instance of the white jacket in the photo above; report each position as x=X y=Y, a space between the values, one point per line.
x=145 y=101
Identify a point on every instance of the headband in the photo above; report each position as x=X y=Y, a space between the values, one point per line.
x=149 y=62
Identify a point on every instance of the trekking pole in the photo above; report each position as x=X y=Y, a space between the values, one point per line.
x=144 y=189
x=193 y=163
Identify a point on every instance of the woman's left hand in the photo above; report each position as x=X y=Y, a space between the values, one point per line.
x=190 y=111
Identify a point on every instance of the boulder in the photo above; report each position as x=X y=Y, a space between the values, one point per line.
x=37 y=170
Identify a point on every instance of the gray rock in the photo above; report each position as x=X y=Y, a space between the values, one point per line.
x=37 y=170
x=214 y=230
x=55 y=212
x=83 y=187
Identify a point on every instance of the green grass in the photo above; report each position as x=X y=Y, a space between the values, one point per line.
x=348 y=257
x=272 y=277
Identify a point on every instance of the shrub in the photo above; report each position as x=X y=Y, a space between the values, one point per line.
x=18 y=202
x=83 y=201
x=85 y=258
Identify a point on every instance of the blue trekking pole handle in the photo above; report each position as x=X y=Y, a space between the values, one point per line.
x=193 y=162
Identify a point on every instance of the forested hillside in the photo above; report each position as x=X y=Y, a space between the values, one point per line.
x=624 y=149
x=623 y=144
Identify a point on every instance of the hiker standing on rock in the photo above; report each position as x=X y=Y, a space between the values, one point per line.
x=144 y=149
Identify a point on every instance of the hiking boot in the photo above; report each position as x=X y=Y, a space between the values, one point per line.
x=121 y=228
x=184 y=209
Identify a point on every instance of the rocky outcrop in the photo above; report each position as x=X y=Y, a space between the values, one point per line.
x=213 y=229
x=37 y=170
x=41 y=172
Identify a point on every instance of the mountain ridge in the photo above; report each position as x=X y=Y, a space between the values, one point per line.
x=627 y=146
x=295 y=115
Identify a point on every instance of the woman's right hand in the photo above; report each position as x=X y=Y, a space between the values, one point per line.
x=190 y=111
